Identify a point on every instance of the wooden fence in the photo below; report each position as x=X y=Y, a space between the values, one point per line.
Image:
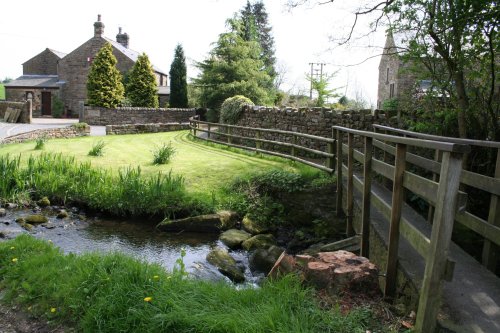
x=489 y=229
x=215 y=131
x=444 y=196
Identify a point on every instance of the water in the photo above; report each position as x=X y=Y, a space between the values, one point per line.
x=137 y=238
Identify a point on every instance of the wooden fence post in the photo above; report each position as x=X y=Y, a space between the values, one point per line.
x=208 y=133
x=367 y=186
x=442 y=227
x=397 y=204
x=195 y=126
x=491 y=250
x=435 y=177
x=339 y=173
x=350 y=184
x=257 y=143
x=228 y=131
x=294 y=142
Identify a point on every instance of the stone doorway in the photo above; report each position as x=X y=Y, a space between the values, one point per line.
x=46 y=103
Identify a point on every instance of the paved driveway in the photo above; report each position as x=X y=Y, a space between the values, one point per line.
x=7 y=129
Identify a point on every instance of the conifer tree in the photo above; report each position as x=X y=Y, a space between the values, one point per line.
x=255 y=27
x=141 y=89
x=104 y=83
x=178 y=80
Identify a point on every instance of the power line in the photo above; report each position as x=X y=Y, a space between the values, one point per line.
x=315 y=64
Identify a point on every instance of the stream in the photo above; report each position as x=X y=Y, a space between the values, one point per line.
x=137 y=238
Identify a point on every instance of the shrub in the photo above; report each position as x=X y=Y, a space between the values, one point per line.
x=40 y=143
x=104 y=84
x=80 y=125
x=163 y=154
x=232 y=108
x=97 y=149
x=141 y=89
x=57 y=107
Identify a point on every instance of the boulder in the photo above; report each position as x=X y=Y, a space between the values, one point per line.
x=62 y=213
x=2 y=212
x=262 y=260
x=233 y=238
x=334 y=272
x=226 y=264
x=11 y=205
x=43 y=202
x=262 y=241
x=253 y=226
x=36 y=219
x=202 y=223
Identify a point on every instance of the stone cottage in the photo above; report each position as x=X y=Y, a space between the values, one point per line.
x=394 y=78
x=51 y=74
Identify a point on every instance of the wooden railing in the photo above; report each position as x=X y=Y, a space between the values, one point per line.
x=444 y=196
x=217 y=130
x=489 y=229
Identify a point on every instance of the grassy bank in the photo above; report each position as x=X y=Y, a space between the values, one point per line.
x=204 y=167
x=114 y=293
x=125 y=181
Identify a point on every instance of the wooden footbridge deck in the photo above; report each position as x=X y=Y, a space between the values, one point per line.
x=376 y=171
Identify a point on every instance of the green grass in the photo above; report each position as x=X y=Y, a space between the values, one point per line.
x=204 y=167
x=2 y=91
x=106 y=293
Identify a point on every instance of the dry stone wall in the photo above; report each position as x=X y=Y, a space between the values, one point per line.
x=51 y=133
x=128 y=115
x=314 y=121
x=145 y=128
x=25 y=107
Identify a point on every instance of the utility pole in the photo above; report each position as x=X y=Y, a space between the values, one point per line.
x=313 y=64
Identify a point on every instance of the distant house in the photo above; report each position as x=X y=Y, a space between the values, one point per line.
x=51 y=73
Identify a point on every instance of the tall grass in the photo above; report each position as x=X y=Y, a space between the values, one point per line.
x=64 y=180
x=114 y=293
x=163 y=153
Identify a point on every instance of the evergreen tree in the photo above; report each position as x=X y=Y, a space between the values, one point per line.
x=178 y=81
x=233 y=68
x=256 y=28
x=104 y=83
x=141 y=89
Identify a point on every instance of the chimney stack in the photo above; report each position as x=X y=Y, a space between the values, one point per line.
x=122 y=38
x=98 y=27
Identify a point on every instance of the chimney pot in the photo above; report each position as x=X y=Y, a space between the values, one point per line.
x=98 y=27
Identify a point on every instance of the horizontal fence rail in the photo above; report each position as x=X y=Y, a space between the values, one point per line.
x=214 y=131
x=489 y=229
x=359 y=146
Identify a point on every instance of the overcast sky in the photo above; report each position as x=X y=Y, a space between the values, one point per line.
x=301 y=36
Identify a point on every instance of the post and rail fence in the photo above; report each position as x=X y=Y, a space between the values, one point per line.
x=442 y=192
x=216 y=130
x=489 y=228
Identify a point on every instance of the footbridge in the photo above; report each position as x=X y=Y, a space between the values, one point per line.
x=380 y=174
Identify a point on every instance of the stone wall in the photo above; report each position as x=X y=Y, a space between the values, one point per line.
x=19 y=95
x=25 y=107
x=145 y=128
x=51 y=133
x=315 y=121
x=127 y=115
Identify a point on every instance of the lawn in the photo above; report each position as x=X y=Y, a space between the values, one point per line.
x=203 y=166
x=2 y=92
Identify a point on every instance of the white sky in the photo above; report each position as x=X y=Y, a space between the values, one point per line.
x=155 y=27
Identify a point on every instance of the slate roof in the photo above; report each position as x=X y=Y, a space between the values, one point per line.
x=35 y=81
x=57 y=53
x=131 y=54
